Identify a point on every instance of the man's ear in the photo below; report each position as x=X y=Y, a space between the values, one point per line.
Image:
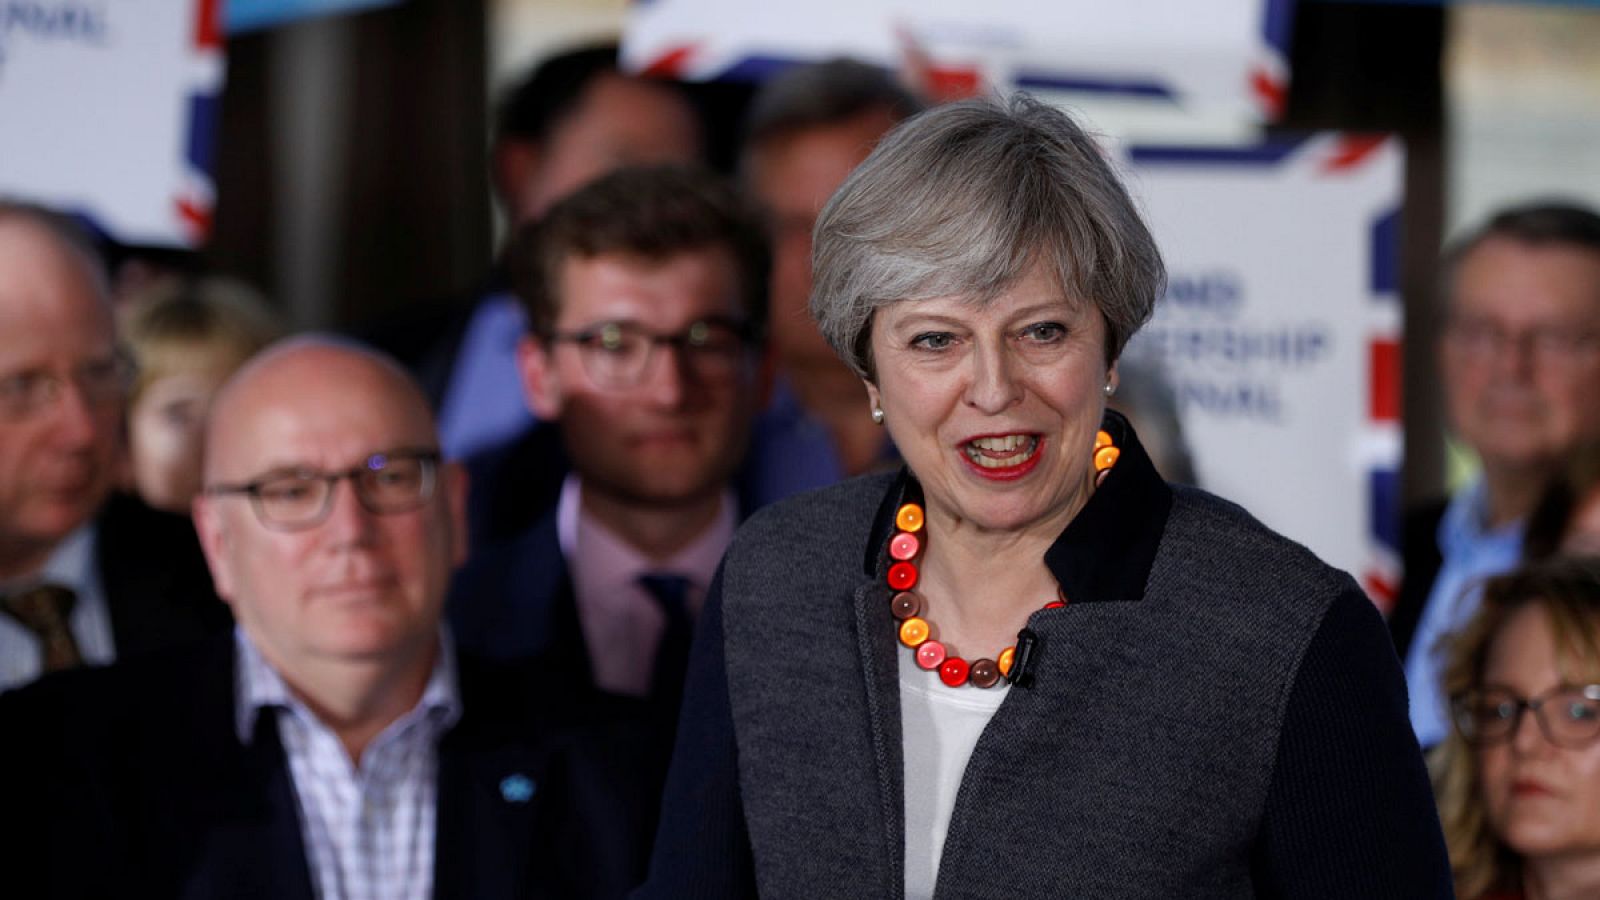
x=212 y=531
x=541 y=386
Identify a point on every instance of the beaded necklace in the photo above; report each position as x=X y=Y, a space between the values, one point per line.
x=916 y=632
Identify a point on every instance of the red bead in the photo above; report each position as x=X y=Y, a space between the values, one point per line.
x=930 y=655
x=954 y=671
x=905 y=605
x=902 y=576
x=1054 y=604
x=904 y=545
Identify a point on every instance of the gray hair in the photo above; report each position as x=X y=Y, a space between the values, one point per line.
x=963 y=199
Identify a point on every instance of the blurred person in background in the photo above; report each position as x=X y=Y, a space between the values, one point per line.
x=1519 y=360
x=1518 y=777
x=574 y=117
x=646 y=296
x=1145 y=395
x=186 y=337
x=83 y=579
x=1025 y=665
x=805 y=131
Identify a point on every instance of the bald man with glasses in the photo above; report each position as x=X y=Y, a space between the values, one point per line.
x=85 y=576
x=336 y=745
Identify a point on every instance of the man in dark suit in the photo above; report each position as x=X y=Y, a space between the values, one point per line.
x=645 y=294
x=333 y=746
x=81 y=579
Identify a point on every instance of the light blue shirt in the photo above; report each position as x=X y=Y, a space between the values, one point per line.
x=71 y=566
x=1471 y=553
x=483 y=405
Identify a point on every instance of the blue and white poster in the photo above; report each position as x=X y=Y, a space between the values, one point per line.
x=108 y=110
x=1280 y=332
x=1230 y=61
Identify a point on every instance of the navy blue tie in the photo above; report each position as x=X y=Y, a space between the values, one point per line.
x=671 y=593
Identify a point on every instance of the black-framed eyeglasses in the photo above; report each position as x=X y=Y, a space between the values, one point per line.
x=1569 y=715
x=100 y=381
x=394 y=481
x=618 y=354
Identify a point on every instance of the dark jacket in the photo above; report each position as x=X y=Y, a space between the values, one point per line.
x=1215 y=714
x=157 y=587
x=131 y=781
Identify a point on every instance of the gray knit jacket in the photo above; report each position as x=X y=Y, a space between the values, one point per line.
x=1215 y=714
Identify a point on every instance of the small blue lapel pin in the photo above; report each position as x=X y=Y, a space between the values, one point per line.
x=516 y=788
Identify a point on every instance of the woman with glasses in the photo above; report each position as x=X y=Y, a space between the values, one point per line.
x=1025 y=666
x=1518 y=779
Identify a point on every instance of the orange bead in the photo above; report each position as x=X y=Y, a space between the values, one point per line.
x=1006 y=657
x=1102 y=438
x=913 y=631
x=909 y=518
x=1105 y=458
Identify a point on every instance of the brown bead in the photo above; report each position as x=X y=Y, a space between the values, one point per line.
x=984 y=674
x=905 y=605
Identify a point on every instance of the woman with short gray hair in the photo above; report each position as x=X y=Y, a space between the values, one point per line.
x=1025 y=666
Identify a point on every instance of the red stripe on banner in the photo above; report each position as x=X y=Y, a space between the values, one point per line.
x=947 y=84
x=1385 y=400
x=197 y=217
x=208 y=24
x=1381 y=591
x=1353 y=150
x=1271 y=93
x=669 y=64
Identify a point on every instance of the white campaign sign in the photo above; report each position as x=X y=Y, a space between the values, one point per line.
x=1231 y=58
x=106 y=111
x=1280 y=332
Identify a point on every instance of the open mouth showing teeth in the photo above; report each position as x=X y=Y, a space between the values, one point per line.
x=1002 y=452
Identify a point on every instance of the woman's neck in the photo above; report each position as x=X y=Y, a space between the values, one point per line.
x=1567 y=877
x=979 y=588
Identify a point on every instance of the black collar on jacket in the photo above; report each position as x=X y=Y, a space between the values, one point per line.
x=1106 y=551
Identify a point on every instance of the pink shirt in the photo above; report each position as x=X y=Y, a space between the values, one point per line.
x=621 y=622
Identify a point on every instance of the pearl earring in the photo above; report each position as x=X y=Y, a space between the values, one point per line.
x=1110 y=388
x=877 y=415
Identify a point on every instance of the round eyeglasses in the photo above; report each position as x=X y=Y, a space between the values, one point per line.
x=618 y=354
x=1568 y=715
x=386 y=483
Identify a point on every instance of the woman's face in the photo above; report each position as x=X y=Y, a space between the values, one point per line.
x=995 y=407
x=166 y=431
x=1543 y=800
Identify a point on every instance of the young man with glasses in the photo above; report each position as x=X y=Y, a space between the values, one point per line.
x=82 y=578
x=646 y=296
x=1519 y=357
x=335 y=745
